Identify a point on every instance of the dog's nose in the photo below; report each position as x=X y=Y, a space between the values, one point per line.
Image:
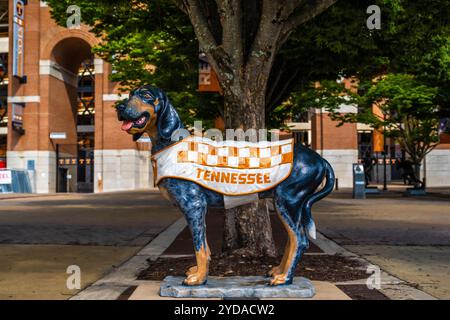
x=120 y=109
x=127 y=112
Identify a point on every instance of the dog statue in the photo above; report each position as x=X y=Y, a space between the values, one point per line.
x=148 y=110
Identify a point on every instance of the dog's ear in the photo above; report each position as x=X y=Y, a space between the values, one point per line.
x=137 y=136
x=156 y=105
x=168 y=119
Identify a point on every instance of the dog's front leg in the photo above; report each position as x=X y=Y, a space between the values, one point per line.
x=192 y=201
x=193 y=269
x=199 y=273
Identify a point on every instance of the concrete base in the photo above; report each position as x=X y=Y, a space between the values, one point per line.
x=236 y=287
x=149 y=290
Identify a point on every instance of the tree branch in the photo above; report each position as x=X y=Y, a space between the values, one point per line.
x=282 y=91
x=200 y=24
x=230 y=12
x=217 y=57
x=180 y=5
x=283 y=76
x=265 y=46
x=304 y=13
x=274 y=81
x=289 y=7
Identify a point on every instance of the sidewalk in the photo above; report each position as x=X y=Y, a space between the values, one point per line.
x=394 y=191
x=9 y=196
x=336 y=273
x=42 y=235
x=406 y=236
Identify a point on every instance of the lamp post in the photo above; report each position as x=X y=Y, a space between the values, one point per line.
x=384 y=155
x=384 y=166
x=57 y=136
x=3 y=71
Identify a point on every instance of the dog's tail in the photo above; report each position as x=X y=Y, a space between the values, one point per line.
x=306 y=218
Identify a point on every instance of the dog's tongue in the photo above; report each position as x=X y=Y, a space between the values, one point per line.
x=126 y=125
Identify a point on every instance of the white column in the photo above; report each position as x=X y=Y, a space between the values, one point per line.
x=342 y=163
x=44 y=180
x=438 y=168
x=126 y=169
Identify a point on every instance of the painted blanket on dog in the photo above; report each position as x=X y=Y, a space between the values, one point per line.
x=228 y=167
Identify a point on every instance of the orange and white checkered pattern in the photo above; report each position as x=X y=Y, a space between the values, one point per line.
x=246 y=157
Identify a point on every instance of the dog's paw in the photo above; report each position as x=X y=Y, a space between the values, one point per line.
x=279 y=280
x=274 y=271
x=194 y=280
x=191 y=270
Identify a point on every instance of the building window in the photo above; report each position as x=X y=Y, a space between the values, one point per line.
x=364 y=144
x=301 y=117
x=3 y=89
x=301 y=137
x=86 y=93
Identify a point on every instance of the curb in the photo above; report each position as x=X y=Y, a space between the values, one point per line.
x=111 y=286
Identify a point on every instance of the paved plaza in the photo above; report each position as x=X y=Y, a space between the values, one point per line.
x=408 y=237
x=40 y=236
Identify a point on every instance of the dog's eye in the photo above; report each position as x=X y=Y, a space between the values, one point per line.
x=147 y=96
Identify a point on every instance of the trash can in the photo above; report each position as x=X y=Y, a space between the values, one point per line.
x=359 y=182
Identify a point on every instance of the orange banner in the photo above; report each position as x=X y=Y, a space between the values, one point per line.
x=377 y=135
x=377 y=141
x=207 y=77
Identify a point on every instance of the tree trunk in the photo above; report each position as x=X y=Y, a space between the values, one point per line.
x=417 y=183
x=243 y=58
x=248 y=231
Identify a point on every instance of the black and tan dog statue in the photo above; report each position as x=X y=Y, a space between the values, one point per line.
x=148 y=110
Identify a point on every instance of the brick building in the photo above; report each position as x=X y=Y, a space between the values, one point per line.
x=57 y=118
x=350 y=143
x=64 y=102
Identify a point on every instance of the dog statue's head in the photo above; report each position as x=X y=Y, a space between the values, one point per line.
x=147 y=110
